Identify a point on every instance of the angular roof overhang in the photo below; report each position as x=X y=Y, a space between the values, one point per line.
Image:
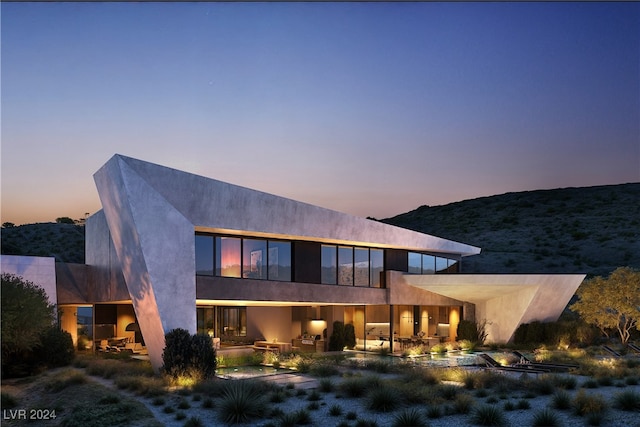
x=506 y=300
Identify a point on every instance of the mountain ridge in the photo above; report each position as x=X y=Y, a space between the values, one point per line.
x=589 y=230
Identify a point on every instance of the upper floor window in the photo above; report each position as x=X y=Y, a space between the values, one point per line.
x=228 y=256
x=430 y=264
x=247 y=258
x=329 y=264
x=204 y=255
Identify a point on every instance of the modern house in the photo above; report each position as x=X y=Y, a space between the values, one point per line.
x=170 y=249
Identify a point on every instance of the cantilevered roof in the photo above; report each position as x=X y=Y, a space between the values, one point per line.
x=212 y=205
x=505 y=300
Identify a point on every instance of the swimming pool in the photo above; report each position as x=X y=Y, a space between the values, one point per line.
x=244 y=372
x=430 y=360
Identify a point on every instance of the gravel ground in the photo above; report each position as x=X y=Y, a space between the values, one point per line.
x=321 y=416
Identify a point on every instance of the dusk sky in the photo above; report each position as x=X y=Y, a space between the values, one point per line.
x=367 y=108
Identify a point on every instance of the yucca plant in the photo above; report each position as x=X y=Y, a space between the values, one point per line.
x=523 y=404
x=448 y=392
x=508 y=406
x=546 y=418
x=627 y=400
x=463 y=404
x=354 y=387
x=561 y=400
x=488 y=415
x=384 y=399
x=335 y=410
x=241 y=401
x=326 y=385
x=434 y=411
x=409 y=418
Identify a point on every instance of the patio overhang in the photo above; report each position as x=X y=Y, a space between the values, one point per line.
x=505 y=300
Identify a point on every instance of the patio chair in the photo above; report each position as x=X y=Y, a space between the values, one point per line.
x=611 y=351
x=562 y=367
x=104 y=346
x=633 y=347
x=491 y=363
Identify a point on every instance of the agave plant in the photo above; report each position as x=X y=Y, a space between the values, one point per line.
x=241 y=401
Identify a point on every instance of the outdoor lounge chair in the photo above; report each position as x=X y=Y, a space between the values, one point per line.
x=633 y=347
x=491 y=363
x=559 y=367
x=611 y=351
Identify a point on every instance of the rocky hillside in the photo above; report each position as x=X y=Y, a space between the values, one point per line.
x=65 y=242
x=589 y=230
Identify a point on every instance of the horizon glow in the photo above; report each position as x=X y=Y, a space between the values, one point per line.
x=371 y=109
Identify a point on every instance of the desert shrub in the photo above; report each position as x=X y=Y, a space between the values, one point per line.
x=203 y=356
x=25 y=313
x=384 y=399
x=323 y=368
x=194 y=422
x=544 y=385
x=56 y=347
x=448 y=392
x=350 y=336
x=561 y=400
x=187 y=355
x=379 y=366
x=354 y=387
x=142 y=386
x=467 y=330
x=434 y=411
x=326 y=385
x=314 y=396
x=64 y=379
x=241 y=402
x=438 y=348
x=627 y=400
x=463 y=404
x=466 y=345
x=8 y=401
x=488 y=415
x=336 y=340
x=176 y=355
x=409 y=418
x=277 y=396
x=335 y=410
x=545 y=418
x=586 y=404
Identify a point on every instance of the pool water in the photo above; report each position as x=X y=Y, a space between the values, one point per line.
x=429 y=360
x=244 y=372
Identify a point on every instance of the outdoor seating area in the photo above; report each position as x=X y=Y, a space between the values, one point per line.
x=118 y=344
x=279 y=347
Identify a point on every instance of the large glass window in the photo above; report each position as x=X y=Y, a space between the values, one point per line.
x=233 y=321
x=361 y=266
x=254 y=259
x=441 y=264
x=428 y=264
x=329 y=264
x=415 y=263
x=345 y=266
x=204 y=255
x=452 y=265
x=279 y=257
x=228 y=256
x=377 y=266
